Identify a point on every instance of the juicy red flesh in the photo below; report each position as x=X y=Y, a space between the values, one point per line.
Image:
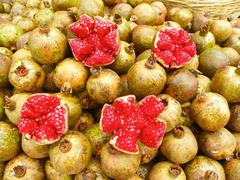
x=97 y=41
x=130 y=122
x=173 y=48
x=43 y=119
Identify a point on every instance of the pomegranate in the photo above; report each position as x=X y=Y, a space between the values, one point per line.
x=237 y=149
x=221 y=29
x=211 y=60
x=136 y=2
x=73 y=105
x=127 y=164
x=26 y=24
x=52 y=174
x=146 y=77
x=122 y=9
x=96 y=138
x=71 y=154
x=172 y=111
x=217 y=145
x=203 y=38
x=182 y=85
x=17 y=9
x=185 y=118
x=2 y=114
x=43 y=16
x=124 y=85
x=199 y=19
x=234 y=122
x=61 y=19
x=5 y=63
x=21 y=54
x=233 y=56
x=59 y=5
x=86 y=101
x=43 y=118
x=202 y=167
x=103 y=86
x=30 y=12
x=23 y=167
x=124 y=27
x=129 y=122
x=34 y=150
x=9 y=34
x=193 y=64
x=114 y=2
x=22 y=42
x=204 y=84
x=173 y=47
x=70 y=75
x=85 y=120
x=92 y=171
x=13 y=106
x=26 y=75
x=174 y=143
x=226 y=81
x=161 y=10
x=6 y=52
x=10 y=141
x=97 y=44
x=210 y=111
x=47 y=45
x=232 y=169
x=167 y=170
x=142 y=37
x=144 y=55
x=144 y=170
x=144 y=14
x=4 y=17
x=33 y=3
x=91 y=7
x=125 y=59
x=182 y=16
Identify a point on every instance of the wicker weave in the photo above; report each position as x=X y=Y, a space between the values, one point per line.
x=215 y=8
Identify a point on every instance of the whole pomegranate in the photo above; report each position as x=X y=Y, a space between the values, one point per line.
x=234 y=42
x=13 y=106
x=161 y=10
x=147 y=153
x=118 y=165
x=52 y=174
x=226 y=81
x=22 y=41
x=26 y=75
x=174 y=143
x=146 y=77
x=17 y=9
x=91 y=7
x=122 y=9
x=59 y=5
x=21 y=54
x=182 y=16
x=124 y=85
x=172 y=111
x=34 y=150
x=182 y=85
x=221 y=29
x=74 y=148
x=61 y=19
x=85 y=120
x=49 y=84
x=210 y=111
x=10 y=141
x=233 y=55
x=123 y=27
x=167 y=170
x=5 y=63
x=199 y=19
x=47 y=44
x=70 y=75
x=202 y=167
x=234 y=122
x=92 y=171
x=204 y=84
x=23 y=167
x=86 y=101
x=103 y=86
x=125 y=59
x=232 y=169
x=43 y=16
x=217 y=145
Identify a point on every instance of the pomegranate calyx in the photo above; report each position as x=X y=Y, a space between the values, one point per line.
x=129 y=122
x=43 y=118
x=97 y=41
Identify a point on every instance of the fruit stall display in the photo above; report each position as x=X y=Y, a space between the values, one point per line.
x=119 y=89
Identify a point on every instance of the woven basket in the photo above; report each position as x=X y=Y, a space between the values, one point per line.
x=214 y=8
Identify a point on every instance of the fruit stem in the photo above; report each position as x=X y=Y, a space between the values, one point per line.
x=9 y=104
x=130 y=49
x=211 y=175
x=46 y=4
x=133 y=18
x=21 y=70
x=45 y=28
x=117 y=19
x=19 y=171
x=174 y=170
x=95 y=70
x=178 y=132
x=205 y=28
x=65 y=146
x=150 y=64
x=66 y=88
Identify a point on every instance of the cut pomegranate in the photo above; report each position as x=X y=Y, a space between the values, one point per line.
x=43 y=119
x=173 y=47
x=130 y=122
x=97 y=41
